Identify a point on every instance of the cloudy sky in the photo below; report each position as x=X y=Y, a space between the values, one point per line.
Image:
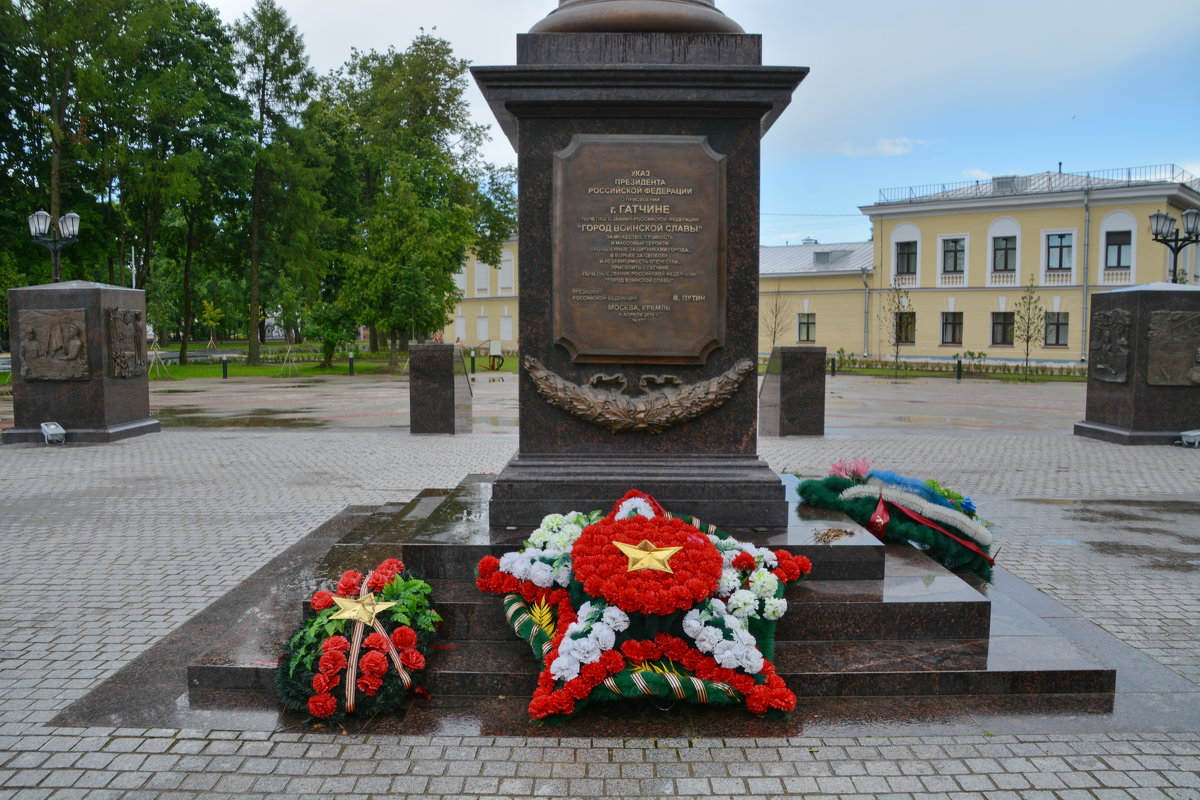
x=900 y=93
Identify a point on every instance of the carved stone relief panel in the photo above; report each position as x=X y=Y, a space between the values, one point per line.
x=1110 y=345
x=1174 y=358
x=126 y=342
x=53 y=344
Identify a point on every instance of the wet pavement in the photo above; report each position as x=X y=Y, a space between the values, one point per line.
x=111 y=550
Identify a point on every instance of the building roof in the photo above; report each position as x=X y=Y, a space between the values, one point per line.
x=814 y=258
x=1041 y=183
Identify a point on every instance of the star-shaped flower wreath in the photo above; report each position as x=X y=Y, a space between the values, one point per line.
x=643 y=603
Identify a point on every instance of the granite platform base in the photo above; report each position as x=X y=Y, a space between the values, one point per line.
x=714 y=488
x=110 y=433
x=878 y=640
x=1117 y=435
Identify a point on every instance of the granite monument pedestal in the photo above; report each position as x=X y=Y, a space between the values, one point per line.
x=639 y=172
x=1144 y=368
x=792 y=398
x=79 y=359
x=439 y=396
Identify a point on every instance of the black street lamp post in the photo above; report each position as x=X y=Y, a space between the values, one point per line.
x=65 y=232
x=1162 y=226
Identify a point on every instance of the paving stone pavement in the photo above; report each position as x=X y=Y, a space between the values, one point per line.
x=108 y=548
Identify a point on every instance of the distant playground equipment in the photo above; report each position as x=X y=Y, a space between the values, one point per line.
x=493 y=353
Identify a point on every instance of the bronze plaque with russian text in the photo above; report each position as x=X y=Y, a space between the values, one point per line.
x=639 y=249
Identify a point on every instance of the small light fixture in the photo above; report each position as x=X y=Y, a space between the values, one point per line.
x=39 y=223
x=54 y=433
x=68 y=225
x=1191 y=222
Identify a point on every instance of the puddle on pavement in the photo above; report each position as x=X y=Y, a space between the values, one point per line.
x=177 y=391
x=1161 y=557
x=258 y=418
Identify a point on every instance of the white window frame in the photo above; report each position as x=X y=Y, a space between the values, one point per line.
x=483 y=279
x=952 y=279
x=904 y=232
x=1000 y=228
x=1117 y=221
x=1057 y=277
x=507 y=274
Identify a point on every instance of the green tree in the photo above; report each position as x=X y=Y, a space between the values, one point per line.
x=332 y=326
x=895 y=318
x=1029 y=320
x=424 y=196
x=277 y=81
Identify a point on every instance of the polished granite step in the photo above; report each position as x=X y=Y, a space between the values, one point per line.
x=871 y=620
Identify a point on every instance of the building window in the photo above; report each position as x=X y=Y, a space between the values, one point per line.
x=952 y=327
x=1056 y=328
x=906 y=258
x=1118 y=247
x=506 y=328
x=954 y=252
x=1002 y=327
x=481 y=328
x=1004 y=254
x=506 y=273
x=906 y=327
x=806 y=327
x=1058 y=251
x=483 y=278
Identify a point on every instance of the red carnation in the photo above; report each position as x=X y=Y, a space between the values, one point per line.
x=404 y=637
x=331 y=663
x=487 y=566
x=383 y=574
x=323 y=683
x=338 y=643
x=804 y=563
x=604 y=570
x=376 y=641
x=758 y=700
x=412 y=659
x=743 y=561
x=369 y=684
x=322 y=600
x=374 y=663
x=322 y=705
x=349 y=585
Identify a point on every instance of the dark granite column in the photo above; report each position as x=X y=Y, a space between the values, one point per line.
x=79 y=359
x=439 y=390
x=792 y=400
x=639 y=175
x=1143 y=365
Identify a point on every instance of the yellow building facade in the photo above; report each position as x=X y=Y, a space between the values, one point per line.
x=487 y=314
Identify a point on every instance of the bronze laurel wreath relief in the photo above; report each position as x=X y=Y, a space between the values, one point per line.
x=664 y=402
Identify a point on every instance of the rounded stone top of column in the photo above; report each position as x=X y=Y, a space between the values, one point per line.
x=636 y=16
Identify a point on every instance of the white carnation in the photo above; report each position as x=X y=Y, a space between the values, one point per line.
x=587 y=651
x=742 y=603
x=634 y=506
x=541 y=574
x=750 y=660
x=616 y=619
x=763 y=583
x=552 y=522
x=603 y=636
x=564 y=668
x=562 y=575
x=774 y=608
x=726 y=654
x=729 y=583
x=509 y=562
x=707 y=639
x=692 y=624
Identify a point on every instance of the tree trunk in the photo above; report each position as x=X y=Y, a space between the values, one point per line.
x=394 y=351
x=373 y=336
x=253 y=357
x=187 y=292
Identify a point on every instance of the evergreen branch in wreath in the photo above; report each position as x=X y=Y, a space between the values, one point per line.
x=654 y=411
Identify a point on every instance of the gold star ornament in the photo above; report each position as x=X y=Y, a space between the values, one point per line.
x=362 y=609
x=647 y=556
